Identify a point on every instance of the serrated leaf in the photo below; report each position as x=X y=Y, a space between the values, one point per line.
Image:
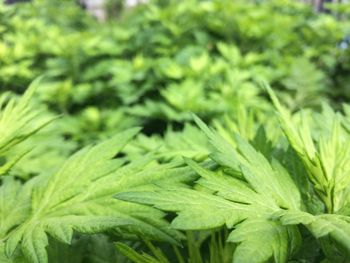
x=79 y=197
x=261 y=240
x=325 y=156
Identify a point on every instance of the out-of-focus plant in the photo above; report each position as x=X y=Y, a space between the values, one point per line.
x=162 y=60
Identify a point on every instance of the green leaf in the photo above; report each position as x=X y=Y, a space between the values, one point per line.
x=79 y=197
x=336 y=226
x=18 y=121
x=222 y=199
x=325 y=154
x=263 y=205
x=262 y=239
x=14 y=204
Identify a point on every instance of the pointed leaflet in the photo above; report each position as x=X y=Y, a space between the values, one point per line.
x=260 y=239
x=14 y=204
x=79 y=197
x=18 y=122
x=336 y=226
x=233 y=202
x=326 y=156
x=224 y=153
x=263 y=177
x=264 y=190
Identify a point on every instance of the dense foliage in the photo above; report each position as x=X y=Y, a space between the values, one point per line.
x=220 y=167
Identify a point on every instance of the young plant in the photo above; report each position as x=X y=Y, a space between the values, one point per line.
x=78 y=197
x=261 y=201
x=18 y=121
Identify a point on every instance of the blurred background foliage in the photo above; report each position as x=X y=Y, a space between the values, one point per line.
x=155 y=63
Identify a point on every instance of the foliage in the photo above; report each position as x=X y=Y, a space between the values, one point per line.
x=78 y=183
x=161 y=61
x=251 y=191
x=18 y=121
x=77 y=196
